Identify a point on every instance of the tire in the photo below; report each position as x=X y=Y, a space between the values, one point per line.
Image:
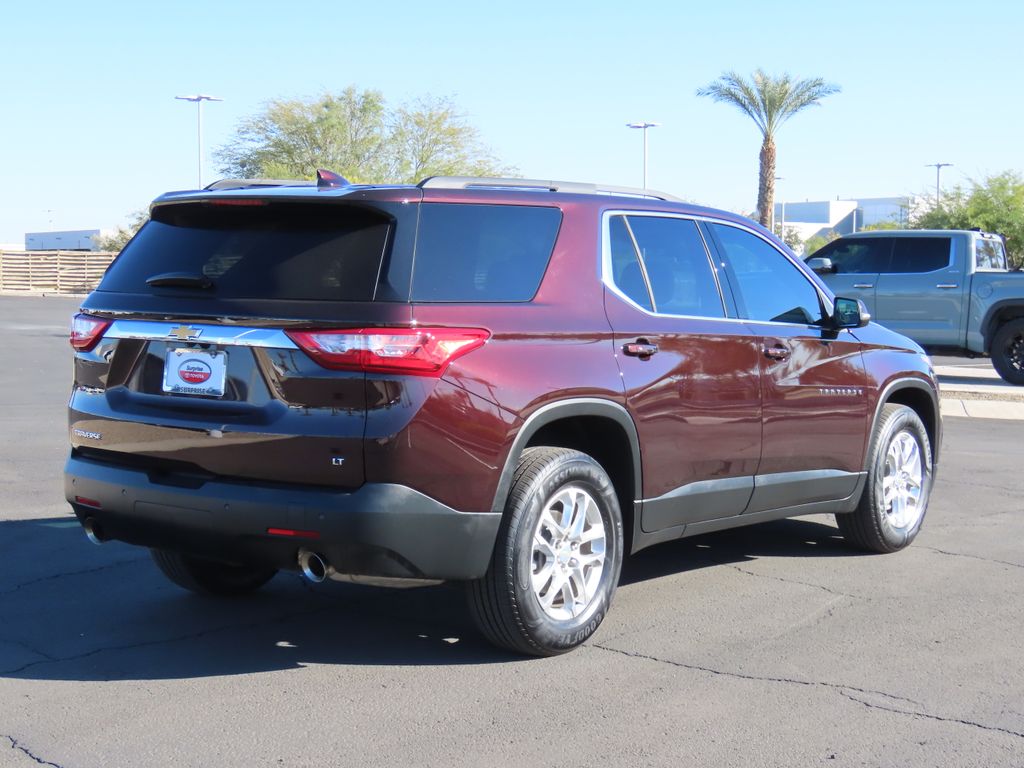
x=1007 y=351
x=551 y=578
x=210 y=577
x=893 y=505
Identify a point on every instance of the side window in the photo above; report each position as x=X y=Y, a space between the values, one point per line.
x=626 y=272
x=866 y=256
x=482 y=253
x=990 y=254
x=677 y=264
x=772 y=287
x=920 y=254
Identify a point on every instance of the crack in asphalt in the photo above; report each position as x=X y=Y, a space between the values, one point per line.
x=326 y=604
x=84 y=571
x=29 y=648
x=929 y=716
x=164 y=640
x=17 y=745
x=795 y=581
x=972 y=557
x=843 y=690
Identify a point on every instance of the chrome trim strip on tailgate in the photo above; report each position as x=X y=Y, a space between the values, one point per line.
x=227 y=335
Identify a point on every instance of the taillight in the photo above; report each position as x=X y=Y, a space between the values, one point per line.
x=86 y=331
x=418 y=351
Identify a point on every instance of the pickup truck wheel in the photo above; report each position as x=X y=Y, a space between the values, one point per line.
x=556 y=562
x=1008 y=351
x=209 y=577
x=895 y=498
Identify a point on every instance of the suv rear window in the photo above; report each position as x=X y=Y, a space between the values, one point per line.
x=482 y=253
x=267 y=251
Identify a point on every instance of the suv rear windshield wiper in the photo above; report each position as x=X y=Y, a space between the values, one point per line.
x=180 y=280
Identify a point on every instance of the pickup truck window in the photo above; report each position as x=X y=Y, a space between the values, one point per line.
x=867 y=256
x=919 y=254
x=990 y=255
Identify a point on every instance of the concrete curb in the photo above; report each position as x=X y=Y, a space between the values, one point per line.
x=974 y=390
x=982 y=409
x=988 y=394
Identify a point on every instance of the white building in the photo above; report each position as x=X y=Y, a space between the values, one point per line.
x=69 y=240
x=843 y=217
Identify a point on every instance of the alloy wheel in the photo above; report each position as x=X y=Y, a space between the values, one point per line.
x=568 y=554
x=902 y=482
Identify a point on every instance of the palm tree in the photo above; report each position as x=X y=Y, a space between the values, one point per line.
x=769 y=102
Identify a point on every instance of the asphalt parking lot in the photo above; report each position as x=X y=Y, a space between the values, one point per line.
x=774 y=645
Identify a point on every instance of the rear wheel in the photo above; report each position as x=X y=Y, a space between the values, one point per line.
x=557 y=559
x=1008 y=351
x=895 y=499
x=210 y=577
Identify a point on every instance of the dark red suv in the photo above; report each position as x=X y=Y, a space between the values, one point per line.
x=498 y=381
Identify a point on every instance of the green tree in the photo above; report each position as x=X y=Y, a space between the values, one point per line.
x=117 y=240
x=432 y=138
x=882 y=225
x=769 y=102
x=356 y=134
x=789 y=235
x=995 y=204
x=814 y=243
x=817 y=242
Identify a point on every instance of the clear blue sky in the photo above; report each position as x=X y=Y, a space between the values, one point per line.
x=90 y=130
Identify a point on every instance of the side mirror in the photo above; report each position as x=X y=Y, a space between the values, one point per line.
x=850 y=313
x=821 y=265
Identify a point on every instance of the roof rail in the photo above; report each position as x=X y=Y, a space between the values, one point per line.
x=536 y=185
x=256 y=183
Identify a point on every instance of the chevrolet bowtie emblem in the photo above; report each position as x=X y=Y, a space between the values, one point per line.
x=185 y=332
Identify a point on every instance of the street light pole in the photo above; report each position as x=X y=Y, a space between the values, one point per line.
x=199 y=98
x=644 y=125
x=938 y=169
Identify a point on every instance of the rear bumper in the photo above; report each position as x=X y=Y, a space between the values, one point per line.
x=378 y=530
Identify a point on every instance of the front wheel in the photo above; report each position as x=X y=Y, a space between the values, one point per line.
x=899 y=481
x=557 y=558
x=1008 y=351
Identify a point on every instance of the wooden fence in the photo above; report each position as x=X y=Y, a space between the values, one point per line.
x=52 y=271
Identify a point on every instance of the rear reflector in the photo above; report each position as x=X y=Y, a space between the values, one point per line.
x=86 y=502
x=86 y=331
x=417 y=351
x=294 y=533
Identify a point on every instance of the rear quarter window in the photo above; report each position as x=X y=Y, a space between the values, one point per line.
x=989 y=255
x=482 y=253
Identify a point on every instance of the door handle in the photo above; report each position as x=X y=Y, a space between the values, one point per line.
x=777 y=352
x=863 y=285
x=947 y=285
x=640 y=348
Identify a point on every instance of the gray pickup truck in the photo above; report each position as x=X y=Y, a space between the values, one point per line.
x=945 y=289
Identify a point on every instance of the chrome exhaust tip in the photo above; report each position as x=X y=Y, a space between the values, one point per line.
x=93 y=532
x=313 y=566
